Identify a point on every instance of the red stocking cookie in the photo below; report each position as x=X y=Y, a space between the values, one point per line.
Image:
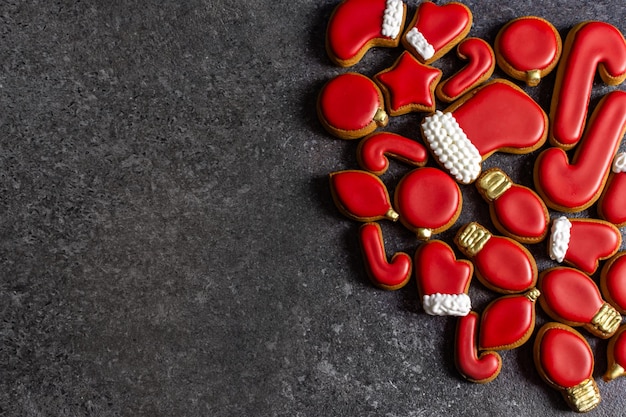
x=498 y=116
x=583 y=242
x=612 y=202
x=479 y=68
x=565 y=362
x=351 y=106
x=571 y=297
x=575 y=186
x=508 y=321
x=516 y=211
x=528 y=49
x=386 y=275
x=358 y=25
x=436 y=29
x=613 y=282
x=442 y=281
x=361 y=196
x=616 y=353
x=373 y=151
x=588 y=46
x=428 y=201
x=501 y=263
x=481 y=368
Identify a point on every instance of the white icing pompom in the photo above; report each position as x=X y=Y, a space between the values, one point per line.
x=452 y=147
x=392 y=19
x=619 y=163
x=415 y=38
x=447 y=304
x=559 y=238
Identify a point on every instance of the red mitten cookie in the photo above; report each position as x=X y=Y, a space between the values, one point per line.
x=442 y=281
x=478 y=70
x=408 y=86
x=501 y=263
x=373 y=151
x=565 y=362
x=480 y=368
x=571 y=297
x=357 y=25
x=516 y=211
x=436 y=29
x=612 y=202
x=498 y=116
x=616 y=355
x=528 y=48
x=583 y=242
x=386 y=275
x=351 y=106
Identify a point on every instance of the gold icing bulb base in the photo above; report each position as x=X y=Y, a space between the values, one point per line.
x=613 y=372
x=381 y=118
x=584 y=396
x=493 y=183
x=392 y=215
x=473 y=238
x=533 y=77
x=606 y=320
x=533 y=295
x=424 y=233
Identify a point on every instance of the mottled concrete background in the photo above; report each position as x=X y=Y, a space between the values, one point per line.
x=168 y=244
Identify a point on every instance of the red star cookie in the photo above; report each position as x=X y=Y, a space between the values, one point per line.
x=408 y=86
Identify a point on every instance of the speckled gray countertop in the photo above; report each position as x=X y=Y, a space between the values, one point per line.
x=168 y=242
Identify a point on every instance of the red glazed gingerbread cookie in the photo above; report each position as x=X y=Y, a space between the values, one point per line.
x=478 y=70
x=498 y=116
x=616 y=354
x=351 y=106
x=475 y=367
x=390 y=275
x=613 y=282
x=612 y=202
x=373 y=151
x=436 y=29
x=528 y=48
x=357 y=25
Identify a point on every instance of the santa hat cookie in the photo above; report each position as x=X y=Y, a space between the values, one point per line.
x=442 y=280
x=436 y=29
x=358 y=25
x=498 y=116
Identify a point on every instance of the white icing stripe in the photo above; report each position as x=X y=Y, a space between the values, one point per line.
x=392 y=19
x=447 y=304
x=559 y=238
x=415 y=38
x=619 y=163
x=451 y=146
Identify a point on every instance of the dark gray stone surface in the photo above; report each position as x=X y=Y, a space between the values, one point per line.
x=168 y=244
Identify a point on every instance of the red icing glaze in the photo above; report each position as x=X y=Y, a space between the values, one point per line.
x=577 y=185
x=612 y=204
x=350 y=101
x=438 y=271
x=440 y=25
x=529 y=44
x=353 y=25
x=409 y=83
x=361 y=195
x=481 y=65
x=593 y=45
x=591 y=241
x=570 y=294
x=500 y=116
x=565 y=357
x=476 y=368
x=388 y=275
x=427 y=198
x=506 y=322
x=614 y=282
x=372 y=150
x=521 y=212
x=505 y=265
x=619 y=347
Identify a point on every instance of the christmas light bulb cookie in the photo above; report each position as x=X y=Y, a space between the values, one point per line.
x=358 y=25
x=498 y=116
x=616 y=355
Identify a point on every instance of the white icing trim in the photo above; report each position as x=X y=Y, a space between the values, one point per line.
x=619 y=163
x=393 y=18
x=447 y=304
x=451 y=146
x=559 y=238
x=421 y=45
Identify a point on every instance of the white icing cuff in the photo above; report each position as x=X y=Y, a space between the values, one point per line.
x=392 y=19
x=451 y=146
x=447 y=304
x=559 y=238
x=415 y=38
x=619 y=163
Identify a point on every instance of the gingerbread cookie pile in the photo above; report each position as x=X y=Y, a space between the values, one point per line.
x=486 y=116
